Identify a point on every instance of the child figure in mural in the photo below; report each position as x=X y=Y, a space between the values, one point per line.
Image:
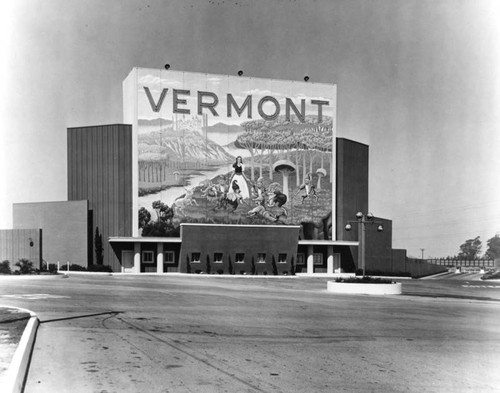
x=234 y=196
x=240 y=179
x=261 y=211
x=221 y=190
x=308 y=190
x=258 y=189
x=276 y=201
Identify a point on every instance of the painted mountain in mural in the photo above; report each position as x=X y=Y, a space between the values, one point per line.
x=181 y=145
x=224 y=134
x=158 y=122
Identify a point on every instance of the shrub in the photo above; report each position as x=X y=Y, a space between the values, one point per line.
x=52 y=268
x=100 y=268
x=5 y=267
x=25 y=266
x=364 y=280
x=491 y=276
x=359 y=272
x=73 y=268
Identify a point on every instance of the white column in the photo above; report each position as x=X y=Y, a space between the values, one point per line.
x=310 y=259
x=329 y=260
x=137 y=257
x=159 y=258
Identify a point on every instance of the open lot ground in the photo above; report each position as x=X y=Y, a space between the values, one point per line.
x=125 y=333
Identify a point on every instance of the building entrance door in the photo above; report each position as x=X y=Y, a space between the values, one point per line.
x=127 y=261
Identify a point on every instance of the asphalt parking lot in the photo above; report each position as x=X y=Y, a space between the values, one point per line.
x=209 y=334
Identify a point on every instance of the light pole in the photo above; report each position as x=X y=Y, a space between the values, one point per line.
x=422 y=249
x=362 y=220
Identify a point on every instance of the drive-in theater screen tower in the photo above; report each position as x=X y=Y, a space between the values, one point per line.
x=221 y=149
x=211 y=174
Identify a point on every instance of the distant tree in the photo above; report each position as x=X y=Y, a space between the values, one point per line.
x=493 y=250
x=144 y=217
x=99 y=256
x=470 y=249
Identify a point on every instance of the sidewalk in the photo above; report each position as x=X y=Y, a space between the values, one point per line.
x=17 y=335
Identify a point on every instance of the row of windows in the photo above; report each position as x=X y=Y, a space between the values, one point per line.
x=239 y=258
x=169 y=258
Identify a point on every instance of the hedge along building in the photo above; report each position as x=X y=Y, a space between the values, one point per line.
x=220 y=174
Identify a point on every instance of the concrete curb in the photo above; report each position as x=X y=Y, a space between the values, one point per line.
x=364 y=289
x=18 y=369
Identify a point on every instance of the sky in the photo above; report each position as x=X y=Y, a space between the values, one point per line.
x=417 y=80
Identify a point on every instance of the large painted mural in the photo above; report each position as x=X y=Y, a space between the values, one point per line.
x=229 y=150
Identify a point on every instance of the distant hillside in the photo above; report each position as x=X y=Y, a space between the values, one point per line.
x=225 y=128
x=181 y=145
x=158 y=122
x=224 y=134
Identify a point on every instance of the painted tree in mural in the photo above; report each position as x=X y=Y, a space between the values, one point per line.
x=286 y=139
x=144 y=217
x=163 y=226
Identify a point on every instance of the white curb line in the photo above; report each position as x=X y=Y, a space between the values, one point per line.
x=364 y=289
x=18 y=369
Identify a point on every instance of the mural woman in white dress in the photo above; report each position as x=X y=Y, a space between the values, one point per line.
x=239 y=182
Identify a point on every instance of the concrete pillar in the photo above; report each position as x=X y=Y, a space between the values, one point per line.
x=159 y=258
x=310 y=259
x=137 y=257
x=329 y=260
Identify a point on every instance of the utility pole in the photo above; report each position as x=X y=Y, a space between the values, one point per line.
x=422 y=249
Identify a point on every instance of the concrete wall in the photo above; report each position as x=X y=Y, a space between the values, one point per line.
x=238 y=239
x=100 y=171
x=420 y=268
x=65 y=229
x=16 y=244
x=378 y=250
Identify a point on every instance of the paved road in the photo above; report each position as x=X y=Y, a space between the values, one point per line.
x=207 y=334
